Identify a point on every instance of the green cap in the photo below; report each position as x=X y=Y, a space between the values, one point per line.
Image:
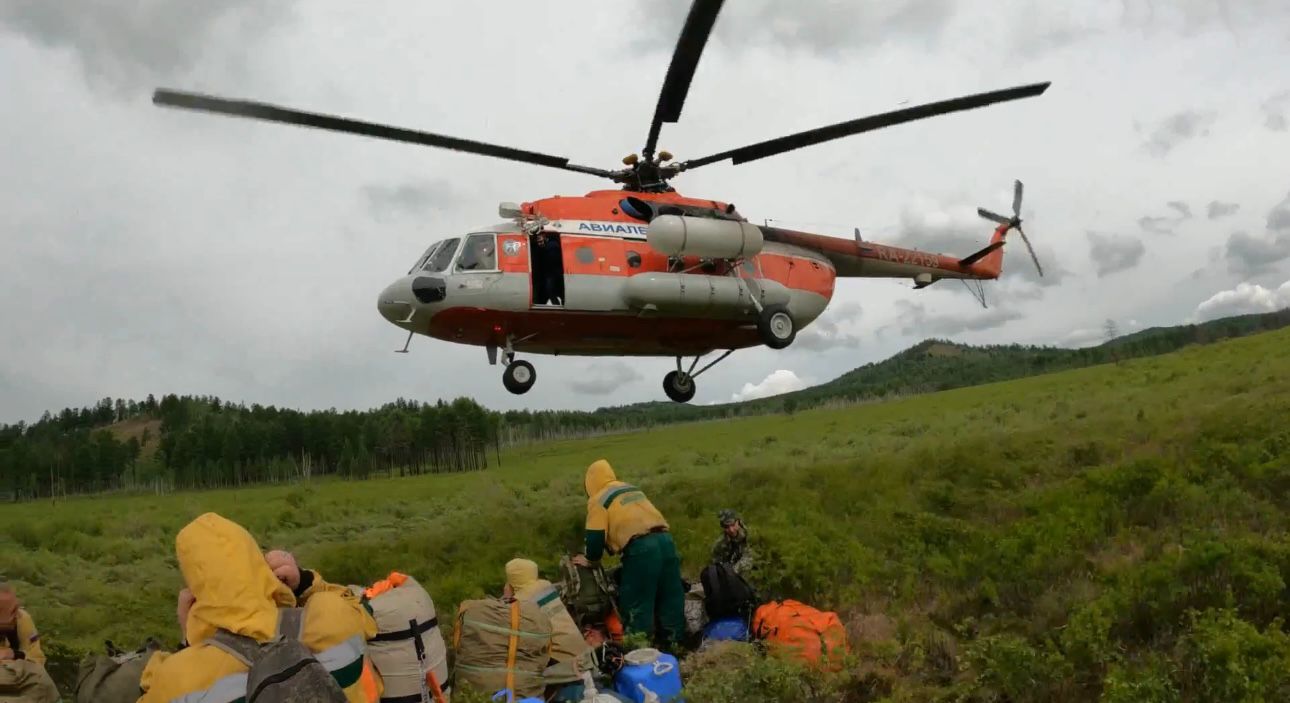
x=728 y=517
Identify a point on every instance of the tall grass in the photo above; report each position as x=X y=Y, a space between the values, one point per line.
x=1116 y=532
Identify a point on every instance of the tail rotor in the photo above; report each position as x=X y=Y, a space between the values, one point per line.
x=1014 y=222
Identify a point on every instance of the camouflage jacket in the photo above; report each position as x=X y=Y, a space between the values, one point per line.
x=735 y=552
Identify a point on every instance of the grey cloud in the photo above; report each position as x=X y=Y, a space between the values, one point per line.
x=1037 y=33
x=408 y=198
x=1112 y=253
x=1183 y=209
x=1176 y=129
x=1279 y=217
x=827 y=332
x=1275 y=110
x=1156 y=225
x=1247 y=254
x=821 y=28
x=1219 y=209
x=124 y=44
x=916 y=321
x=604 y=377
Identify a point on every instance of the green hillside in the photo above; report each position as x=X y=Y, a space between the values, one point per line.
x=1115 y=532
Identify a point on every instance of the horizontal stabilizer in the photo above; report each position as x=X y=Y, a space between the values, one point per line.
x=973 y=258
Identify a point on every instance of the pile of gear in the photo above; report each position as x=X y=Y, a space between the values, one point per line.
x=257 y=627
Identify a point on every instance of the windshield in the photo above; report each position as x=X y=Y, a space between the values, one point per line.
x=428 y=252
x=440 y=256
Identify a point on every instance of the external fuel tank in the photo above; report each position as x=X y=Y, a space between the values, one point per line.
x=678 y=235
x=701 y=293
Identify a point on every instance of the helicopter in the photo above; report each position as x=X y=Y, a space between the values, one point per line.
x=642 y=270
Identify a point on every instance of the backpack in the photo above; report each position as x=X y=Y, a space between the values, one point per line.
x=113 y=677
x=502 y=645
x=586 y=591
x=801 y=632
x=408 y=647
x=725 y=593
x=25 y=681
x=282 y=670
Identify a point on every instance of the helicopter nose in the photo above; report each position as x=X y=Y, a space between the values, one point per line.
x=395 y=303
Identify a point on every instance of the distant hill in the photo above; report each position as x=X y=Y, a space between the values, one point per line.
x=940 y=364
x=205 y=442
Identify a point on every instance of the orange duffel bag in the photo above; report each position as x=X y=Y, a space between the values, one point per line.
x=804 y=633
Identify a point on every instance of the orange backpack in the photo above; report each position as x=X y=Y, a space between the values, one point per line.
x=803 y=633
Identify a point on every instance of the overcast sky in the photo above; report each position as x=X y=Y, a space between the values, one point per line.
x=149 y=250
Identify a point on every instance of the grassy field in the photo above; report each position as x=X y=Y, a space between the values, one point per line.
x=1117 y=532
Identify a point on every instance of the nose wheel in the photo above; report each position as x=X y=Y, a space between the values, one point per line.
x=519 y=377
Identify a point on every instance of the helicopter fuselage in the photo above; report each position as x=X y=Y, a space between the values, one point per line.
x=486 y=291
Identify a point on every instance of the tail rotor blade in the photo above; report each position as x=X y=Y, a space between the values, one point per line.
x=993 y=217
x=1031 y=249
x=1016 y=199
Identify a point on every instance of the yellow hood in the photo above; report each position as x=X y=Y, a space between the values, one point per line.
x=521 y=573
x=233 y=585
x=599 y=475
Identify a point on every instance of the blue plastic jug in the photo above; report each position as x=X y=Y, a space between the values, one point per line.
x=726 y=629
x=663 y=677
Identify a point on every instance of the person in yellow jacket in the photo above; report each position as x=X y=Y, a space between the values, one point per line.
x=18 y=636
x=621 y=520
x=22 y=663
x=230 y=586
x=570 y=653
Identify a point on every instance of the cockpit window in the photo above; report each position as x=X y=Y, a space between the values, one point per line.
x=421 y=261
x=441 y=257
x=480 y=253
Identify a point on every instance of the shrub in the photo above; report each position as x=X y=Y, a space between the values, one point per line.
x=1008 y=668
x=1146 y=681
x=736 y=673
x=1225 y=658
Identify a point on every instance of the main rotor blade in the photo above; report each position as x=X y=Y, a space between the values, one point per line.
x=273 y=113
x=772 y=147
x=1016 y=199
x=689 y=47
x=993 y=217
x=1031 y=249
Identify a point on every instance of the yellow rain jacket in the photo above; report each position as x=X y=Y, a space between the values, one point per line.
x=568 y=646
x=235 y=590
x=23 y=639
x=616 y=512
x=312 y=583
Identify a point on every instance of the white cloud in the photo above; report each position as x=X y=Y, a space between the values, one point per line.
x=603 y=377
x=1246 y=298
x=779 y=381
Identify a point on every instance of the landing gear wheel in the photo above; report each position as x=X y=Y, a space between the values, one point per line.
x=776 y=327
x=678 y=386
x=519 y=377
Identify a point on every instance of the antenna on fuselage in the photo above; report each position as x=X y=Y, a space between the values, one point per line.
x=404 y=350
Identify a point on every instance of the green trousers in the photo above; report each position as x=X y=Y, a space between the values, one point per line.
x=651 y=588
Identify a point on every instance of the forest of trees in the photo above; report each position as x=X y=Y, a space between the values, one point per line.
x=189 y=442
